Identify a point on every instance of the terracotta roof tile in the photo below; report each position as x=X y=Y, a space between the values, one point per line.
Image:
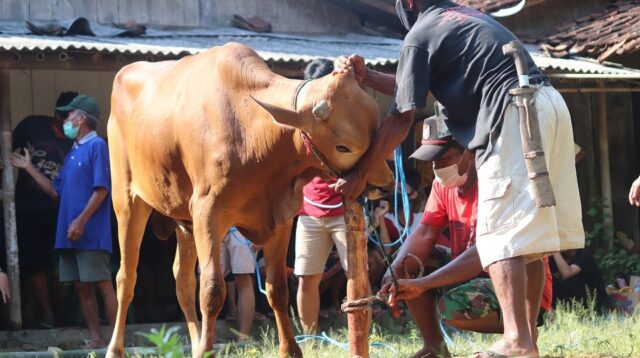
x=488 y=5
x=482 y=5
x=616 y=30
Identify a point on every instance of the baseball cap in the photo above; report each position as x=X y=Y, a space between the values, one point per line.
x=436 y=139
x=82 y=102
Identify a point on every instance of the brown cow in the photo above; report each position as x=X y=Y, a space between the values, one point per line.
x=196 y=140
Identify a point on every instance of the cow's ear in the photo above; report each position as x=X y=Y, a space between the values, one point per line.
x=282 y=115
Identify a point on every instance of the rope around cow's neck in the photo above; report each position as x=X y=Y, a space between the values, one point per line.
x=306 y=139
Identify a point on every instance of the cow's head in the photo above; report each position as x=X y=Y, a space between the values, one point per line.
x=341 y=119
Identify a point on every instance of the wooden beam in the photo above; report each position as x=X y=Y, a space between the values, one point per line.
x=357 y=279
x=8 y=203
x=95 y=61
x=605 y=172
x=72 y=60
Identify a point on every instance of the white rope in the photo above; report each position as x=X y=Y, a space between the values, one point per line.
x=322 y=206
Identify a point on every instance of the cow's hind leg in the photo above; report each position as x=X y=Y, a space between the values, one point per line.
x=275 y=252
x=132 y=218
x=184 y=271
x=208 y=239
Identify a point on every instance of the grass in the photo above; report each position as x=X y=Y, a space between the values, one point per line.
x=569 y=332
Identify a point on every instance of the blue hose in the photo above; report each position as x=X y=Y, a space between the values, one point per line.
x=233 y=232
x=344 y=346
x=401 y=183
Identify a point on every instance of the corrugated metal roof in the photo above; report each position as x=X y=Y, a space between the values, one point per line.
x=275 y=47
x=272 y=47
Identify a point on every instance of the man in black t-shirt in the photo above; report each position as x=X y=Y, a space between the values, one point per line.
x=36 y=212
x=576 y=276
x=455 y=53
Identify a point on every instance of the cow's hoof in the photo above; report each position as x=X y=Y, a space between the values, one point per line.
x=293 y=351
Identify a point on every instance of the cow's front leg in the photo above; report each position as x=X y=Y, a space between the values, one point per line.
x=132 y=216
x=275 y=252
x=212 y=289
x=184 y=271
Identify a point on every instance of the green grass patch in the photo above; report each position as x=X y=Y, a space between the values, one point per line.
x=571 y=331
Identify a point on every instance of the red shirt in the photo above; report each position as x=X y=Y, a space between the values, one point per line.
x=320 y=200
x=447 y=206
x=547 y=292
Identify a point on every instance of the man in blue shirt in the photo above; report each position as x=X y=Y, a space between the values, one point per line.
x=83 y=235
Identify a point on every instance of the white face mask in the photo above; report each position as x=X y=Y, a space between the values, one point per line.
x=449 y=177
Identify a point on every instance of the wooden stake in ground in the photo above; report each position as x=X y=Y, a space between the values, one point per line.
x=358 y=280
x=9 y=207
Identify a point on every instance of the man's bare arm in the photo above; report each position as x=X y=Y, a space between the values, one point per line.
x=76 y=228
x=565 y=270
x=382 y=82
x=24 y=162
x=463 y=268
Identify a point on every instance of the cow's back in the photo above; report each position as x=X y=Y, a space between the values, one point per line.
x=166 y=115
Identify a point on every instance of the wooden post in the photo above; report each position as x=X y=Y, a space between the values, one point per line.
x=9 y=207
x=605 y=173
x=358 y=279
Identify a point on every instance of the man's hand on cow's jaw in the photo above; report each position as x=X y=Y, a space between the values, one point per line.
x=76 y=229
x=350 y=186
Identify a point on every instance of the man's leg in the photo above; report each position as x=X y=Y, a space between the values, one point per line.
x=246 y=303
x=509 y=280
x=308 y=299
x=472 y=306
x=232 y=312
x=535 y=285
x=313 y=245
x=41 y=288
x=488 y=324
x=423 y=310
x=109 y=300
x=89 y=306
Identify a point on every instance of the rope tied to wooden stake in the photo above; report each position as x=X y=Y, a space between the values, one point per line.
x=365 y=303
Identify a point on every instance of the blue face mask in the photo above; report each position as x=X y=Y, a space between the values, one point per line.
x=69 y=130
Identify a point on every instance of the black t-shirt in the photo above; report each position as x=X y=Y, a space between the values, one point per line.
x=48 y=151
x=456 y=53
x=581 y=286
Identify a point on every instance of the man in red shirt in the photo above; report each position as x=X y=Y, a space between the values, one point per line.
x=455 y=284
x=320 y=226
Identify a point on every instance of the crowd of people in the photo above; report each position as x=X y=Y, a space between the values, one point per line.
x=491 y=257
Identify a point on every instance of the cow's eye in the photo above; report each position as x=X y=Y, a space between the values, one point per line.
x=342 y=149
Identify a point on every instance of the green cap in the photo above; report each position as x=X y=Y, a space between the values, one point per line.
x=82 y=102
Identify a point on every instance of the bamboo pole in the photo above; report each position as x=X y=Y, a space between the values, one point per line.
x=9 y=207
x=605 y=172
x=358 y=280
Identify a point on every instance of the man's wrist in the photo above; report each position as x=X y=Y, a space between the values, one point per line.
x=31 y=169
x=366 y=76
x=81 y=219
x=425 y=283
